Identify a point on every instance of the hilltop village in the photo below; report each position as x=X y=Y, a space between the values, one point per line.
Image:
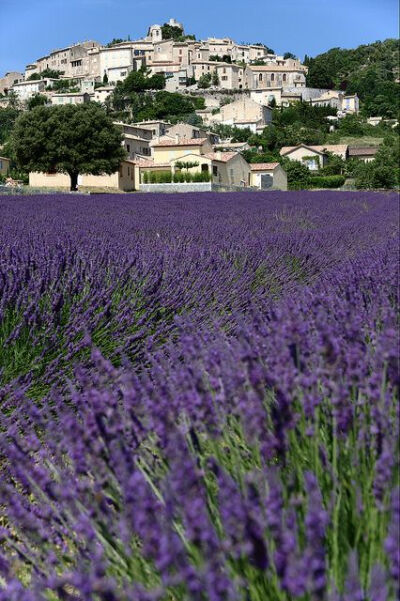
x=215 y=88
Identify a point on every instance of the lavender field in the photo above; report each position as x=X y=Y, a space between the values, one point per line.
x=199 y=397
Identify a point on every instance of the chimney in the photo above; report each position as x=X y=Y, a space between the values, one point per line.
x=218 y=155
x=177 y=138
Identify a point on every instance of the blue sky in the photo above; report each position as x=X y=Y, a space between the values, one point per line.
x=31 y=28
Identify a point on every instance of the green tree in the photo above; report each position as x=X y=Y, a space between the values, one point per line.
x=46 y=74
x=204 y=81
x=37 y=100
x=71 y=139
x=8 y=116
x=298 y=175
x=215 y=78
x=289 y=55
x=105 y=78
x=171 y=32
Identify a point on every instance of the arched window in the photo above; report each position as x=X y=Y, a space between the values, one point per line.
x=260 y=77
x=272 y=76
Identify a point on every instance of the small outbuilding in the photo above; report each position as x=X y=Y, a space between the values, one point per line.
x=267 y=176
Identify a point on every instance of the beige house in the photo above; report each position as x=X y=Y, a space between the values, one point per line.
x=225 y=168
x=168 y=149
x=268 y=176
x=4 y=165
x=26 y=89
x=123 y=180
x=311 y=157
x=229 y=168
x=314 y=157
x=71 y=98
x=243 y=113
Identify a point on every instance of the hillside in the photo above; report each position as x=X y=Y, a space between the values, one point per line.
x=371 y=70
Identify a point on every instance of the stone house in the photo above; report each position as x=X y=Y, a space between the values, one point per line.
x=26 y=89
x=291 y=74
x=70 y=98
x=72 y=60
x=4 y=165
x=229 y=168
x=243 y=113
x=230 y=76
x=314 y=157
x=10 y=79
x=123 y=179
x=363 y=153
x=186 y=131
x=136 y=140
x=167 y=149
x=268 y=176
x=338 y=100
x=157 y=128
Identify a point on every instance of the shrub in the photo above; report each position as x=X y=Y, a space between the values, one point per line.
x=146 y=177
x=327 y=181
x=153 y=177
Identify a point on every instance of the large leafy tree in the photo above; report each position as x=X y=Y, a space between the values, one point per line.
x=68 y=139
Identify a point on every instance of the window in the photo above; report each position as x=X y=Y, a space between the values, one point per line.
x=272 y=76
x=260 y=77
x=1 y=164
x=232 y=178
x=204 y=168
x=215 y=170
x=224 y=78
x=128 y=147
x=284 y=77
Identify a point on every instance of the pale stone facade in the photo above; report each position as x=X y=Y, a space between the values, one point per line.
x=123 y=180
x=291 y=74
x=70 y=98
x=244 y=112
x=10 y=79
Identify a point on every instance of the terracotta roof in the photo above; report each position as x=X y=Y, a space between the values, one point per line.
x=263 y=166
x=331 y=147
x=286 y=149
x=335 y=148
x=181 y=142
x=222 y=157
x=366 y=150
x=148 y=163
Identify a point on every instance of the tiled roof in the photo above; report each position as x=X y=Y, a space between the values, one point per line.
x=366 y=150
x=181 y=142
x=338 y=148
x=331 y=147
x=286 y=149
x=263 y=166
x=222 y=157
x=148 y=163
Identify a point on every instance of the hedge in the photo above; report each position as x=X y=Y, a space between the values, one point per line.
x=327 y=181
